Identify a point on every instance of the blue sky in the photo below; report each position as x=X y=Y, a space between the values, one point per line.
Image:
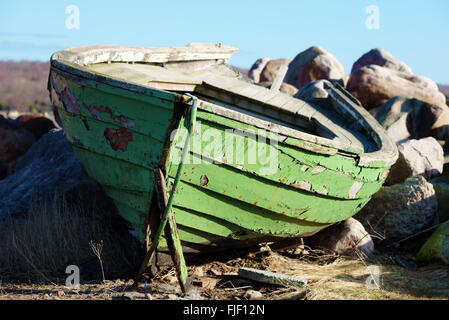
x=416 y=32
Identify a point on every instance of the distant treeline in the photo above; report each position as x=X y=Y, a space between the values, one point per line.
x=23 y=86
x=241 y=70
x=444 y=89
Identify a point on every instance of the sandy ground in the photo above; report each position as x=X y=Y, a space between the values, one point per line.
x=216 y=279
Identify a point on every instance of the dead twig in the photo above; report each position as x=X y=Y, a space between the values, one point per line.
x=415 y=234
x=237 y=288
x=376 y=234
x=97 y=248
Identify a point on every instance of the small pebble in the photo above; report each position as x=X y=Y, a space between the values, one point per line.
x=199 y=272
x=252 y=295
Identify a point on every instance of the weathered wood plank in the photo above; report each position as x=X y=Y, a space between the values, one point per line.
x=171 y=86
x=277 y=82
x=279 y=100
x=219 y=227
x=248 y=216
x=114 y=172
x=87 y=55
x=143 y=73
x=171 y=234
x=271 y=277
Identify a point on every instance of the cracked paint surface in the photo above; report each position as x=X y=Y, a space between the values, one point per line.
x=118 y=139
x=86 y=124
x=121 y=120
x=69 y=101
x=78 y=142
x=72 y=106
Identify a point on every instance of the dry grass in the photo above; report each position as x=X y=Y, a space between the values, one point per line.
x=242 y=70
x=345 y=279
x=56 y=233
x=329 y=277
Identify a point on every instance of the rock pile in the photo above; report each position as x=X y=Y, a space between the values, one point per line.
x=415 y=115
x=441 y=187
x=314 y=64
x=377 y=77
x=257 y=68
x=271 y=69
x=436 y=249
x=264 y=71
x=417 y=157
x=348 y=238
x=404 y=118
x=400 y=210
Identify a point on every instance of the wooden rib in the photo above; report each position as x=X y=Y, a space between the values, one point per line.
x=145 y=73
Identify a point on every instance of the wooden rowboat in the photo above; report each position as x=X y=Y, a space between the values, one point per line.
x=128 y=113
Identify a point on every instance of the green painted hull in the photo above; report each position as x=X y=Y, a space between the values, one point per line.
x=121 y=133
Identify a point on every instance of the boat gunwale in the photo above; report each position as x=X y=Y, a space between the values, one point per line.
x=92 y=54
x=388 y=152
